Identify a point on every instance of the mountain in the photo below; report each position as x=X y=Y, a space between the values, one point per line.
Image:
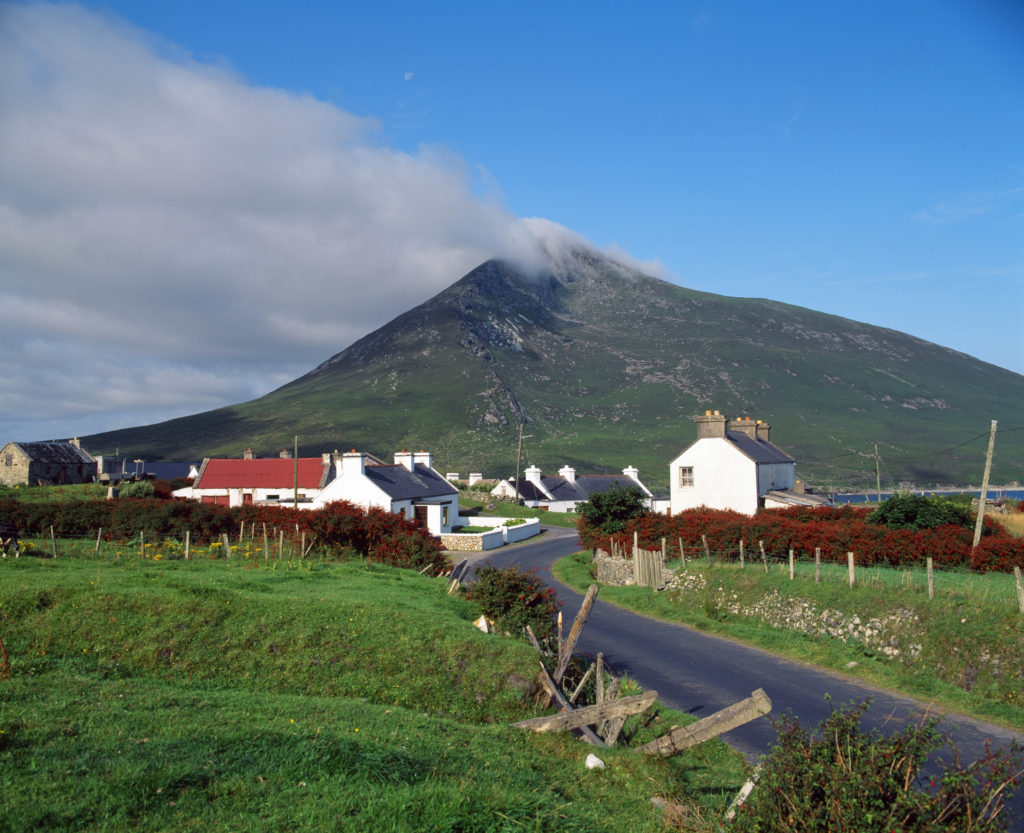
x=605 y=367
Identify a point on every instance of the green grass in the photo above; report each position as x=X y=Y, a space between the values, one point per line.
x=165 y=695
x=507 y=509
x=969 y=638
x=55 y=494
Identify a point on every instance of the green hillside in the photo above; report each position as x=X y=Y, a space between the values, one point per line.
x=606 y=367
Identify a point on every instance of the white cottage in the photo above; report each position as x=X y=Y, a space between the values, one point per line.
x=411 y=487
x=733 y=465
x=564 y=492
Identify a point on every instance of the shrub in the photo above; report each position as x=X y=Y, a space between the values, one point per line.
x=844 y=778
x=138 y=488
x=514 y=598
x=918 y=512
x=611 y=510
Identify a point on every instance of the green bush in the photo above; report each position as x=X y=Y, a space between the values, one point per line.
x=611 y=510
x=844 y=778
x=138 y=488
x=919 y=512
x=513 y=598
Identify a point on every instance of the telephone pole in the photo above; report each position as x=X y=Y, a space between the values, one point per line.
x=984 y=485
x=878 y=476
x=295 y=493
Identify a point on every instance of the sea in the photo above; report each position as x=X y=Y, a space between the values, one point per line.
x=872 y=497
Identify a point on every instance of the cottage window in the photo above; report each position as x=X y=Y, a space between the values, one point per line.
x=686 y=477
x=444 y=515
x=9 y=460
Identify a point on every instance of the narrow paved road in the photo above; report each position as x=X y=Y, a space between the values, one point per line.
x=700 y=674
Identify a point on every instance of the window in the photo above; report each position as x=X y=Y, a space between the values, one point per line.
x=444 y=515
x=9 y=460
x=686 y=477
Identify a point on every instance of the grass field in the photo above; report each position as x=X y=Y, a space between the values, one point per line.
x=963 y=649
x=168 y=695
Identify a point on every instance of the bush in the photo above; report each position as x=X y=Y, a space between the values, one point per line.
x=919 y=512
x=843 y=778
x=610 y=511
x=138 y=488
x=513 y=598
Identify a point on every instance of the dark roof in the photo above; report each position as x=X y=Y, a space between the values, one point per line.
x=60 y=452
x=584 y=486
x=528 y=490
x=398 y=483
x=760 y=451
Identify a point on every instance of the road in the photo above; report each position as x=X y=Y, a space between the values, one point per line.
x=699 y=673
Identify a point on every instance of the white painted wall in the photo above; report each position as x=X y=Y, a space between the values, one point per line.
x=724 y=478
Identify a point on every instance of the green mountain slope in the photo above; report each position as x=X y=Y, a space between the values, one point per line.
x=606 y=367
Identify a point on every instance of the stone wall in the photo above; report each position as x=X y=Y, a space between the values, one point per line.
x=617 y=572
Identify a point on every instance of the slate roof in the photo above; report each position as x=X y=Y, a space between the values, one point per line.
x=528 y=490
x=584 y=486
x=398 y=483
x=760 y=451
x=270 y=473
x=58 y=452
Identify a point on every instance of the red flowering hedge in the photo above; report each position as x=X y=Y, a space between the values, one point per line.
x=834 y=530
x=379 y=535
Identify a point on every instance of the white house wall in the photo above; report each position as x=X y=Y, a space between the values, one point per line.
x=355 y=488
x=724 y=478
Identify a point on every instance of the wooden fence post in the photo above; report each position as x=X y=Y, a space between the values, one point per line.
x=712 y=726
x=227 y=544
x=707 y=551
x=792 y=565
x=931 y=582
x=241 y=531
x=575 y=631
x=741 y=554
x=53 y=541
x=849 y=562
x=817 y=565
x=682 y=553
x=142 y=543
x=99 y=534
x=188 y=543
x=1020 y=588
x=764 y=555
x=599 y=680
x=664 y=551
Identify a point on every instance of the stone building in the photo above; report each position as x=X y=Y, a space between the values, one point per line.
x=45 y=463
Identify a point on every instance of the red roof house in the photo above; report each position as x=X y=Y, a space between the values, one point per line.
x=233 y=482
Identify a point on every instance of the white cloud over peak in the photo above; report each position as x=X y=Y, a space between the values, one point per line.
x=173 y=238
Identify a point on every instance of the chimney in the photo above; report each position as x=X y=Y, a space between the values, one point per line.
x=285 y=454
x=744 y=425
x=75 y=442
x=710 y=425
x=763 y=429
x=247 y=454
x=632 y=472
x=405 y=458
x=424 y=457
x=351 y=462
x=325 y=458
x=568 y=472
x=475 y=477
x=532 y=474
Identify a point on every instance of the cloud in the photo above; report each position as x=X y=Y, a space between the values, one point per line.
x=408 y=76
x=173 y=238
x=968 y=206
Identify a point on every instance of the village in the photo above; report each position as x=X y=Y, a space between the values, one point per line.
x=732 y=464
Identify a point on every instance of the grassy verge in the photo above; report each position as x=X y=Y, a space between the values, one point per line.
x=962 y=649
x=171 y=695
x=507 y=509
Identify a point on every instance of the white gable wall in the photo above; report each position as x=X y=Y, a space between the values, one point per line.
x=723 y=478
x=355 y=487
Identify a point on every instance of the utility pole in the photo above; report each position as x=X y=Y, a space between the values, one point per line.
x=519 y=458
x=878 y=476
x=984 y=486
x=295 y=493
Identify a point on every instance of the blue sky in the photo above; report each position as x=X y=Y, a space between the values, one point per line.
x=864 y=159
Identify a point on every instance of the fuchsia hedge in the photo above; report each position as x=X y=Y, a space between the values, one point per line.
x=835 y=530
x=379 y=535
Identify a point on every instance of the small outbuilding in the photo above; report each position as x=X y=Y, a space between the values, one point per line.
x=54 y=462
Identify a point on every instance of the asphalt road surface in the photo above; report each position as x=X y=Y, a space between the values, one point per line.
x=698 y=673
